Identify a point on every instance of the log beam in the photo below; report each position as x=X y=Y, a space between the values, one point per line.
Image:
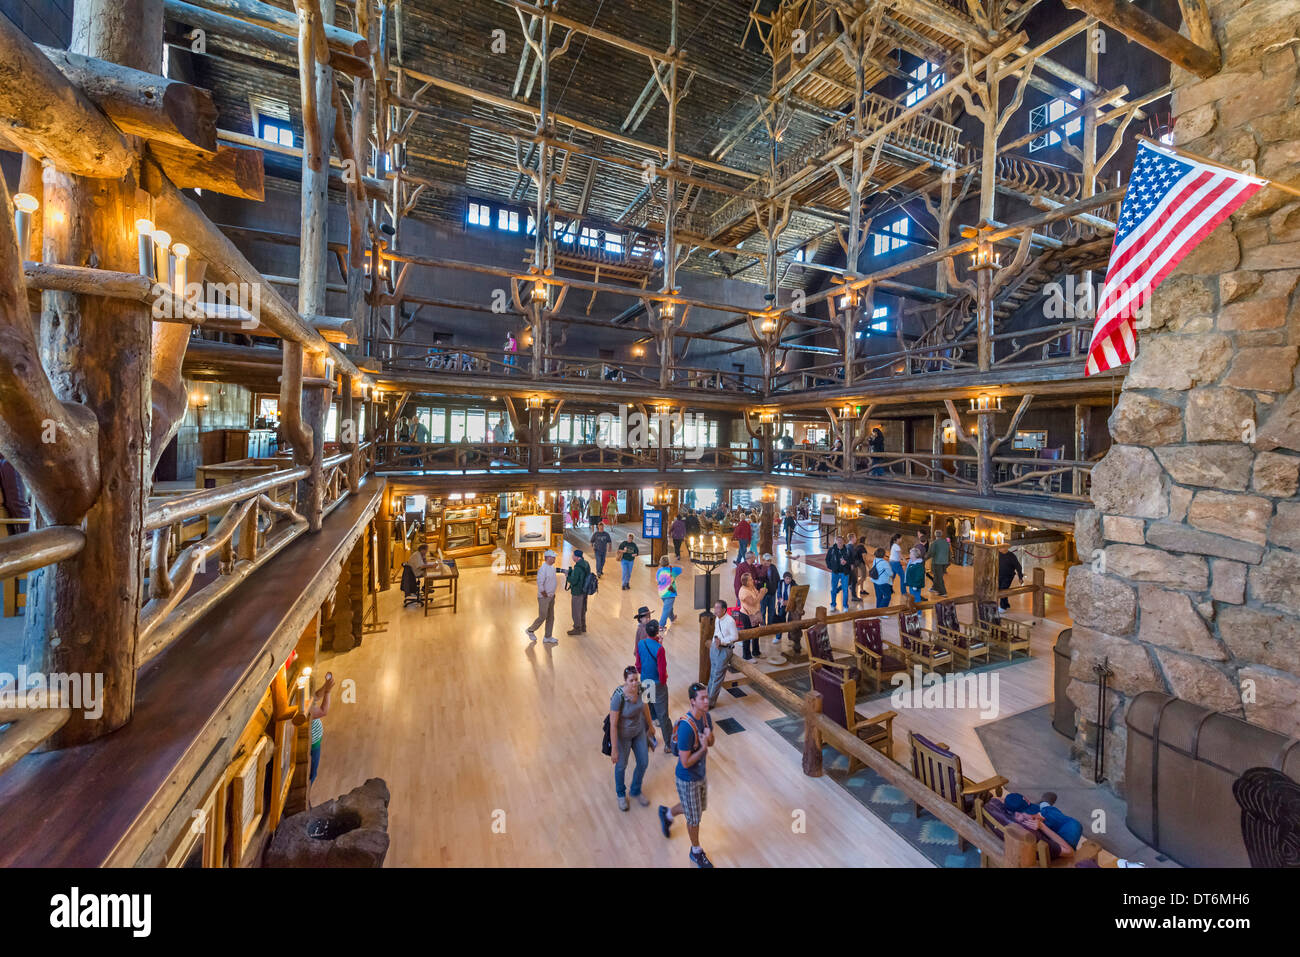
x=231 y=171
x=159 y=109
x=1144 y=29
x=48 y=117
x=282 y=21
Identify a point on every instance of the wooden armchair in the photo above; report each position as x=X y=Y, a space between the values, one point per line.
x=919 y=645
x=964 y=641
x=1035 y=849
x=878 y=659
x=822 y=655
x=839 y=701
x=15 y=517
x=1004 y=636
x=940 y=770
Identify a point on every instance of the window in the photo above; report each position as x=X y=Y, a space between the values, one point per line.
x=1048 y=114
x=438 y=425
x=879 y=322
x=480 y=214
x=927 y=77
x=532 y=225
x=659 y=256
x=613 y=244
x=458 y=425
x=476 y=426
x=568 y=234
x=508 y=220
x=589 y=237
x=891 y=237
x=800 y=255
x=276 y=131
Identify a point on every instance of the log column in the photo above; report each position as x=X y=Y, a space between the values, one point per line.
x=83 y=614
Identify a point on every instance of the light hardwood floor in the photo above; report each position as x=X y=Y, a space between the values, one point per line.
x=491 y=745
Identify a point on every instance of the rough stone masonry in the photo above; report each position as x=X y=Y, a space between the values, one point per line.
x=1190 y=580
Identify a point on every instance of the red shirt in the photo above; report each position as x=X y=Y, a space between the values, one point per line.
x=661 y=659
x=743 y=532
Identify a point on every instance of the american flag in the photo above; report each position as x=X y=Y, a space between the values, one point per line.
x=1172 y=203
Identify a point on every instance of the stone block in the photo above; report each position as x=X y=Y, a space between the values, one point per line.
x=1207 y=466
x=1141 y=420
x=1181 y=538
x=1179 y=500
x=349 y=831
x=1218 y=415
x=1100 y=601
x=1254 y=313
x=1262 y=369
x=1285 y=527
x=1178 y=298
x=1276 y=474
x=1276 y=579
x=1194 y=679
x=1228 y=581
x=1129 y=481
x=1179 y=362
x=1284 y=227
x=1157 y=566
x=1131 y=531
x=1235 y=285
x=1243 y=517
x=1083 y=694
x=1262 y=637
x=1216 y=253
x=1273 y=256
x=1280 y=428
x=1194 y=124
x=1167 y=618
x=1130 y=662
x=1276 y=700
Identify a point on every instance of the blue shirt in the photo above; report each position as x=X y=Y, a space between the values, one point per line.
x=687 y=743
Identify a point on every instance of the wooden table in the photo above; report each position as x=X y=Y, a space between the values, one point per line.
x=434 y=582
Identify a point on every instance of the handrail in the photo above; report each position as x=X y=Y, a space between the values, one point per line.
x=28 y=551
x=205 y=500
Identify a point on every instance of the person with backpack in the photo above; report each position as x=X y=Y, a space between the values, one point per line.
x=742 y=535
x=914 y=576
x=651 y=661
x=882 y=577
x=575 y=582
x=600 y=542
x=627 y=553
x=630 y=732
x=693 y=738
x=666 y=580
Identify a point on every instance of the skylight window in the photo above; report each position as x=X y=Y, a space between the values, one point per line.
x=1049 y=113
x=891 y=237
x=927 y=77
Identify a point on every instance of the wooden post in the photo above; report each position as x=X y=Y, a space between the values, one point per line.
x=83 y=614
x=707 y=621
x=812 y=739
x=1040 y=595
x=384 y=560
x=767 y=515
x=985 y=585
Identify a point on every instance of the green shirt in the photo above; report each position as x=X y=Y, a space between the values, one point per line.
x=940 y=552
x=628 y=551
x=577 y=576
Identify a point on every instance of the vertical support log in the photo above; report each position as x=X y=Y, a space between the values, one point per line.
x=83 y=614
x=812 y=739
x=767 y=515
x=384 y=560
x=985 y=584
x=1040 y=596
x=707 y=622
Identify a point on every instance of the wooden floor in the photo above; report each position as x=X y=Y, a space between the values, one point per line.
x=491 y=746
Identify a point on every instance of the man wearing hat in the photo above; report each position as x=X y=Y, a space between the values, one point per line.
x=576 y=582
x=652 y=662
x=547 y=585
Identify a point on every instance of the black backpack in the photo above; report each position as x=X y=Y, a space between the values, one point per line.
x=606 y=744
x=591 y=584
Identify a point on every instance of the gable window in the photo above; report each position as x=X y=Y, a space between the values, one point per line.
x=1049 y=113
x=480 y=214
x=613 y=243
x=589 y=238
x=879 y=322
x=508 y=220
x=926 y=78
x=276 y=130
x=891 y=237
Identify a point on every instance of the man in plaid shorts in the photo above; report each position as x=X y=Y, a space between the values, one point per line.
x=694 y=738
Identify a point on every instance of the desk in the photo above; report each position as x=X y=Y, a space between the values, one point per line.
x=447 y=580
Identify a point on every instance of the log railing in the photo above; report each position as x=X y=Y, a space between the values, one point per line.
x=260 y=518
x=1056 y=477
x=459 y=457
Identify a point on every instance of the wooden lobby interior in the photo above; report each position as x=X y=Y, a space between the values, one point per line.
x=290 y=289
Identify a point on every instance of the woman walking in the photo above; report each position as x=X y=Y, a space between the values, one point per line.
x=751 y=603
x=896 y=557
x=914 y=577
x=882 y=576
x=630 y=731
x=666 y=580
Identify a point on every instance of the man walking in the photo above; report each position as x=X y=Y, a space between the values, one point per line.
x=837 y=564
x=666 y=580
x=694 y=738
x=725 y=634
x=652 y=664
x=940 y=556
x=546 y=588
x=853 y=555
x=627 y=553
x=677 y=533
x=768 y=580
x=788 y=524
x=748 y=567
x=742 y=536
x=1008 y=567
x=600 y=542
x=576 y=583
x=594 y=511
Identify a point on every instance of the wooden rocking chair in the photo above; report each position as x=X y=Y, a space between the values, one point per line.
x=822 y=655
x=919 y=645
x=877 y=659
x=940 y=770
x=839 y=701
x=964 y=641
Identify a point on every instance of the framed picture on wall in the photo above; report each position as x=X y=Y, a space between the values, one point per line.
x=532 y=531
x=484 y=535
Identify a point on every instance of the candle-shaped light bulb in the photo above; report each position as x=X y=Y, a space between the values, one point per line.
x=162 y=241
x=181 y=279
x=24 y=205
x=144 y=238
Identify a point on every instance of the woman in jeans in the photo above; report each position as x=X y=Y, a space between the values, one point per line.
x=630 y=730
x=896 y=558
x=751 y=603
x=882 y=576
x=914 y=577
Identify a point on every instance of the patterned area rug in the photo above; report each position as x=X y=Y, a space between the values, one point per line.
x=936 y=840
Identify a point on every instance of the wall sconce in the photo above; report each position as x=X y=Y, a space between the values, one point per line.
x=669 y=309
x=378 y=394
x=984 y=404
x=539 y=292
x=985 y=257
x=24 y=205
x=144 y=239
x=949 y=435
x=768 y=326
x=637 y=352
x=533 y=402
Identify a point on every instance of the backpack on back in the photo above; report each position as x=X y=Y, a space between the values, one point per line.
x=591 y=584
